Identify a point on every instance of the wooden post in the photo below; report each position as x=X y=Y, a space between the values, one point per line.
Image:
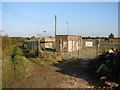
x=99 y=45
x=38 y=47
x=96 y=48
x=81 y=43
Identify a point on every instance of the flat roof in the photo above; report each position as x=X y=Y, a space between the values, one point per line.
x=67 y=35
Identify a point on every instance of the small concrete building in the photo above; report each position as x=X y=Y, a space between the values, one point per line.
x=48 y=42
x=68 y=43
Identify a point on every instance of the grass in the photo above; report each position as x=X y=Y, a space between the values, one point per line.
x=7 y=68
x=0 y=74
x=48 y=59
x=102 y=48
x=27 y=53
x=15 y=66
x=43 y=62
x=22 y=67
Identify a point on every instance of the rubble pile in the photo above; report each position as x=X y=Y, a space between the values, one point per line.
x=49 y=55
x=108 y=66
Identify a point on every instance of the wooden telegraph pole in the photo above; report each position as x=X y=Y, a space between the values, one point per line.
x=55 y=30
x=55 y=24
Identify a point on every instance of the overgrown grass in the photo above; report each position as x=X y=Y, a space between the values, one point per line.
x=22 y=67
x=15 y=66
x=27 y=53
x=7 y=72
x=48 y=59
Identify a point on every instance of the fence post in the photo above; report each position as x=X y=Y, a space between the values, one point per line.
x=99 y=45
x=81 y=43
x=38 y=47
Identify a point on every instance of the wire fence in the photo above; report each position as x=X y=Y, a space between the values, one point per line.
x=71 y=45
x=33 y=45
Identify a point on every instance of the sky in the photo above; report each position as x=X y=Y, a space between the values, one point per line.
x=84 y=18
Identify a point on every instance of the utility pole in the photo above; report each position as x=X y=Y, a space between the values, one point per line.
x=55 y=24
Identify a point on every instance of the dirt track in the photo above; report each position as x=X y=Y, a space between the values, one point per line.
x=60 y=76
x=72 y=73
x=69 y=73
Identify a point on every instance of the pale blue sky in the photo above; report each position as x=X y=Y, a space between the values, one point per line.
x=85 y=18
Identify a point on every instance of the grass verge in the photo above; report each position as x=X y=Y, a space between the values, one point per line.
x=15 y=67
x=43 y=62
